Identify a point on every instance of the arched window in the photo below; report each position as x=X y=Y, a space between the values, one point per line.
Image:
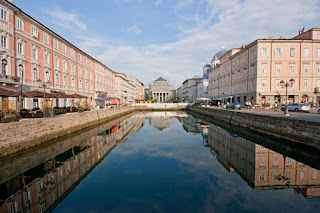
x=4 y=66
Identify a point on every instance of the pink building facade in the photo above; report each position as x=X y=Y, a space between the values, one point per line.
x=30 y=51
x=253 y=72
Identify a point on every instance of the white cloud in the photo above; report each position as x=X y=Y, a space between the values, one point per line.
x=157 y=2
x=228 y=23
x=133 y=29
x=65 y=18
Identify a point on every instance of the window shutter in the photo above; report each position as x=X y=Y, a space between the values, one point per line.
x=267 y=51
x=281 y=52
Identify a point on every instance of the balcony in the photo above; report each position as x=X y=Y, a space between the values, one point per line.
x=316 y=90
x=9 y=79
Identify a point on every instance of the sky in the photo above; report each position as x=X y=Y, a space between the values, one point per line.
x=172 y=39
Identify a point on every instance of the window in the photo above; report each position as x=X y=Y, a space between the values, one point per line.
x=20 y=24
x=306 y=52
x=277 y=82
x=3 y=41
x=301 y=175
x=65 y=81
x=85 y=60
x=45 y=38
x=90 y=63
x=252 y=84
x=34 y=31
x=289 y=161
x=34 y=52
x=264 y=52
x=288 y=175
x=79 y=57
x=72 y=69
x=274 y=176
x=292 y=52
x=47 y=75
x=46 y=57
x=278 y=52
x=239 y=75
x=318 y=83
x=4 y=66
x=318 y=69
x=55 y=43
x=244 y=58
x=80 y=83
x=73 y=82
x=253 y=54
x=292 y=68
x=56 y=61
x=238 y=61
x=275 y=160
x=86 y=85
x=264 y=68
x=65 y=63
x=252 y=70
x=278 y=68
x=4 y=14
x=57 y=79
x=262 y=176
x=35 y=74
x=306 y=68
x=264 y=83
x=318 y=50
x=64 y=48
x=305 y=83
x=72 y=53
x=244 y=86
x=245 y=73
x=314 y=175
x=20 y=48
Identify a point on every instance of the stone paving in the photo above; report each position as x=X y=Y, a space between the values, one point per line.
x=311 y=116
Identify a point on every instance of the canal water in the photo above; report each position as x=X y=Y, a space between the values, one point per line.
x=162 y=162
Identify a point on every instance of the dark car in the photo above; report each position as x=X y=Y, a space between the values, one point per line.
x=25 y=113
x=234 y=106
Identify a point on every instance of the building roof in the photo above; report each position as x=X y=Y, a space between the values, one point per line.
x=161 y=79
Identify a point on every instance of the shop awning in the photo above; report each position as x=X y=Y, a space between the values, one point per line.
x=8 y=92
x=37 y=94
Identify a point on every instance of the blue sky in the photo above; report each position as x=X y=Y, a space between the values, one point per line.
x=169 y=38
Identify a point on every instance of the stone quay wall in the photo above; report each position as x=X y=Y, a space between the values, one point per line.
x=17 y=136
x=298 y=131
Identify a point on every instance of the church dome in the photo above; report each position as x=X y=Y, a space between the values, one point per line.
x=219 y=54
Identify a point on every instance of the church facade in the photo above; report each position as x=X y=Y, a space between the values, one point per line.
x=160 y=90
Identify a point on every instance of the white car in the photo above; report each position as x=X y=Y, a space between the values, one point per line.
x=297 y=107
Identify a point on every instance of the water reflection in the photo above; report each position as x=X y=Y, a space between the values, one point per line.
x=260 y=167
x=39 y=179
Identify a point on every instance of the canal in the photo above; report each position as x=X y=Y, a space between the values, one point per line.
x=162 y=162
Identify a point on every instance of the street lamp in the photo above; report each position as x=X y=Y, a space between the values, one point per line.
x=43 y=85
x=286 y=85
x=20 y=70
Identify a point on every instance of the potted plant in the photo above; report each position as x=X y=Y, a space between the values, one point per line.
x=47 y=110
x=80 y=107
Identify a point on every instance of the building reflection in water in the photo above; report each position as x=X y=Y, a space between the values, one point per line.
x=260 y=167
x=44 y=186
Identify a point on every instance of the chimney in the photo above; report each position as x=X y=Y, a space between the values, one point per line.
x=242 y=46
x=271 y=37
x=300 y=32
x=303 y=30
x=281 y=37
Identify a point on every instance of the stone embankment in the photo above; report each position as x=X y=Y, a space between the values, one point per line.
x=18 y=136
x=27 y=133
x=306 y=132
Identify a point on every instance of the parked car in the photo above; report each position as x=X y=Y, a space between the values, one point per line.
x=37 y=113
x=297 y=107
x=25 y=113
x=319 y=111
x=234 y=106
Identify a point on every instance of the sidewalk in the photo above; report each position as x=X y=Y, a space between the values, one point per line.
x=312 y=116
